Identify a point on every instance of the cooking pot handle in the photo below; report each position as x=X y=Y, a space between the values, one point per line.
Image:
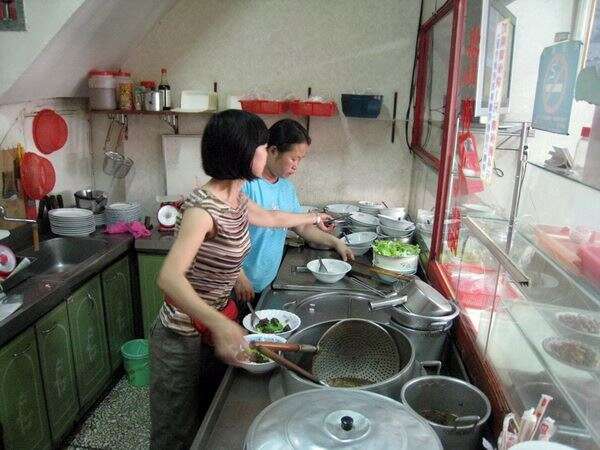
x=467 y=419
x=437 y=365
x=436 y=325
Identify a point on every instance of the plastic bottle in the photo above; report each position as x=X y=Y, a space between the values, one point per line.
x=581 y=150
x=165 y=90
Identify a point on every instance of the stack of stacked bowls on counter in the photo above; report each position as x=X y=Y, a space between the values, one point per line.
x=372 y=208
x=341 y=210
x=363 y=222
x=394 y=226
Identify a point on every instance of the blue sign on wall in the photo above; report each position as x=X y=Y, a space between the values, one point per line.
x=555 y=87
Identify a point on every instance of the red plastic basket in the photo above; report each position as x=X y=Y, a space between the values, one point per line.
x=307 y=108
x=264 y=106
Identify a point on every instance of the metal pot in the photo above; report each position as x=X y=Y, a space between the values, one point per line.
x=429 y=344
x=153 y=100
x=450 y=396
x=95 y=201
x=391 y=387
x=341 y=419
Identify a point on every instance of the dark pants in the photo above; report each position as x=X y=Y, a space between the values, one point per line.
x=185 y=375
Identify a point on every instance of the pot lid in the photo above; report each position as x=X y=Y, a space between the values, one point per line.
x=339 y=418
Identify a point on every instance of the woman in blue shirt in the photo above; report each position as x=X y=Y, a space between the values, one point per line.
x=287 y=146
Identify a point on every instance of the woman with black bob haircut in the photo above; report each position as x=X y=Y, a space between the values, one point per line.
x=197 y=319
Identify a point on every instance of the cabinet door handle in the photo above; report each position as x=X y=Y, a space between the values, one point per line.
x=22 y=352
x=49 y=330
x=91 y=299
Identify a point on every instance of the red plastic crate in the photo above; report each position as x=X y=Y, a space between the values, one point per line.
x=307 y=108
x=264 y=106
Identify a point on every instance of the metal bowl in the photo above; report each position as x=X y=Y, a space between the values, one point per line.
x=93 y=200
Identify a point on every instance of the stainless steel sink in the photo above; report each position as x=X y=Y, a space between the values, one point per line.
x=59 y=255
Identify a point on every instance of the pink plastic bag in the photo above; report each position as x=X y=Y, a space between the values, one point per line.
x=136 y=228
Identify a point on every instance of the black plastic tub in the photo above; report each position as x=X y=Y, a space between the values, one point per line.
x=365 y=106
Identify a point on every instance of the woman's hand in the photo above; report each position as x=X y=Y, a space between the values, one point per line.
x=324 y=222
x=243 y=288
x=228 y=338
x=343 y=250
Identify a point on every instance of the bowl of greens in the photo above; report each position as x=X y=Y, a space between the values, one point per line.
x=396 y=256
x=273 y=321
x=254 y=361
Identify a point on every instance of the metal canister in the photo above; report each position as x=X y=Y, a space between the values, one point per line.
x=153 y=100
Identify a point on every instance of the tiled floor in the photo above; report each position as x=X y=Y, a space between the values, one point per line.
x=121 y=421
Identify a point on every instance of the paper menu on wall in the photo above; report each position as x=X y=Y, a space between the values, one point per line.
x=183 y=164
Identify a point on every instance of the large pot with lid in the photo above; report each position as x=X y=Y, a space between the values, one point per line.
x=341 y=419
x=392 y=386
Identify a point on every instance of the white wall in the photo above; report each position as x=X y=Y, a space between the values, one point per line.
x=18 y=49
x=284 y=46
x=72 y=163
x=53 y=57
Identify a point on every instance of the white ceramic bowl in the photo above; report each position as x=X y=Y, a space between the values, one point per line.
x=336 y=270
x=370 y=207
x=261 y=367
x=397 y=233
x=395 y=222
x=406 y=265
x=359 y=251
x=394 y=213
x=283 y=316
x=361 y=239
x=341 y=209
x=364 y=220
x=360 y=229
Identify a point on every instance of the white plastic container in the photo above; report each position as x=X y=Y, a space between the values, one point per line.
x=581 y=150
x=102 y=87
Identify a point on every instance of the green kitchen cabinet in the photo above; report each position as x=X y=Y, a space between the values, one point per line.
x=116 y=287
x=22 y=402
x=152 y=297
x=58 y=370
x=88 y=336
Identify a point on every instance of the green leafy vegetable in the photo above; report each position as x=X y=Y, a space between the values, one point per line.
x=395 y=248
x=271 y=326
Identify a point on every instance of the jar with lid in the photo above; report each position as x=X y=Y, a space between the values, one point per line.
x=124 y=90
x=102 y=90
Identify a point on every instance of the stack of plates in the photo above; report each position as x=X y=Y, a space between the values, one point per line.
x=100 y=219
x=123 y=212
x=72 y=221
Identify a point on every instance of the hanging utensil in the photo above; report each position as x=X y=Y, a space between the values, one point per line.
x=356 y=352
x=37 y=176
x=322 y=267
x=284 y=362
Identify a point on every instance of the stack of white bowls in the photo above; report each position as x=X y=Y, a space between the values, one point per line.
x=370 y=207
x=363 y=222
x=393 y=224
x=340 y=209
x=72 y=221
x=123 y=212
x=360 y=242
x=100 y=219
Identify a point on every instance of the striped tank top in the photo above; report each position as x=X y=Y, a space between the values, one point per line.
x=218 y=262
